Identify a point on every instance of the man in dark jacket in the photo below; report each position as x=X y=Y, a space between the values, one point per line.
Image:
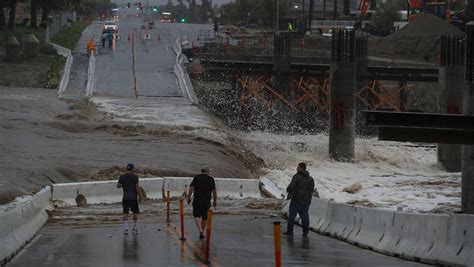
x=300 y=191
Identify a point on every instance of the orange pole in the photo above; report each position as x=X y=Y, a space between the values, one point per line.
x=277 y=234
x=181 y=215
x=208 y=234
x=168 y=205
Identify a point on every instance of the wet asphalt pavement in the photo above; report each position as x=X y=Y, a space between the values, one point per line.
x=236 y=240
x=242 y=235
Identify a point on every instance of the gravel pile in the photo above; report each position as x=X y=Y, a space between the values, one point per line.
x=419 y=40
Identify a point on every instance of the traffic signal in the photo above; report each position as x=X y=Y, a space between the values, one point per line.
x=183 y=20
x=155 y=8
x=128 y=5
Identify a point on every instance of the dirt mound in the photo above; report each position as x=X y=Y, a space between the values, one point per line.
x=425 y=25
x=419 y=40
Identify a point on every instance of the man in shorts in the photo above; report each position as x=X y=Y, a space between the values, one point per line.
x=129 y=183
x=202 y=186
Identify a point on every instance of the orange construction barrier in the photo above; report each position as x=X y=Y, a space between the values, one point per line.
x=277 y=234
x=208 y=235
x=181 y=215
x=90 y=47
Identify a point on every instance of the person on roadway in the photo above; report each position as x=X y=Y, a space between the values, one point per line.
x=216 y=28
x=203 y=185
x=110 y=37
x=300 y=192
x=131 y=196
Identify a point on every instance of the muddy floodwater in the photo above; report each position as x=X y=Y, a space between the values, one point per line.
x=45 y=140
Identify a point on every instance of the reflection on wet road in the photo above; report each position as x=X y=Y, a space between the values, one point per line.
x=237 y=240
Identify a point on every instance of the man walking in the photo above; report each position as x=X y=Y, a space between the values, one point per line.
x=216 y=28
x=300 y=192
x=202 y=186
x=129 y=183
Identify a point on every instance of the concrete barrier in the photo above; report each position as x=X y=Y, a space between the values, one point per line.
x=408 y=227
x=430 y=238
x=459 y=247
x=269 y=189
x=90 y=76
x=177 y=186
x=106 y=192
x=238 y=188
x=102 y=192
x=184 y=81
x=20 y=221
x=318 y=213
x=67 y=67
x=370 y=226
x=153 y=187
x=342 y=220
x=226 y=187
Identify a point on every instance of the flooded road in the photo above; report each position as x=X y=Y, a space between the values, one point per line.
x=44 y=140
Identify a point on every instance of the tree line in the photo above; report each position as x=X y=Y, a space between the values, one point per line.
x=85 y=7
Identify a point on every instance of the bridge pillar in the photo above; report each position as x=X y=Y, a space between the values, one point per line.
x=281 y=78
x=467 y=186
x=342 y=102
x=362 y=62
x=452 y=85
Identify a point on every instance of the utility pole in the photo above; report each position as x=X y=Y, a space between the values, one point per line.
x=311 y=10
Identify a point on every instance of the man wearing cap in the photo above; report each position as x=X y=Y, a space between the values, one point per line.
x=129 y=183
x=202 y=186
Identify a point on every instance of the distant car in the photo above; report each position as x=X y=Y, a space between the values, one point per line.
x=110 y=25
x=165 y=20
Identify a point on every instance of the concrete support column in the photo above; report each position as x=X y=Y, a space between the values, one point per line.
x=281 y=77
x=452 y=85
x=342 y=102
x=467 y=187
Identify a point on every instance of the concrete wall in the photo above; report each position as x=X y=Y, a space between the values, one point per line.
x=21 y=220
x=430 y=238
